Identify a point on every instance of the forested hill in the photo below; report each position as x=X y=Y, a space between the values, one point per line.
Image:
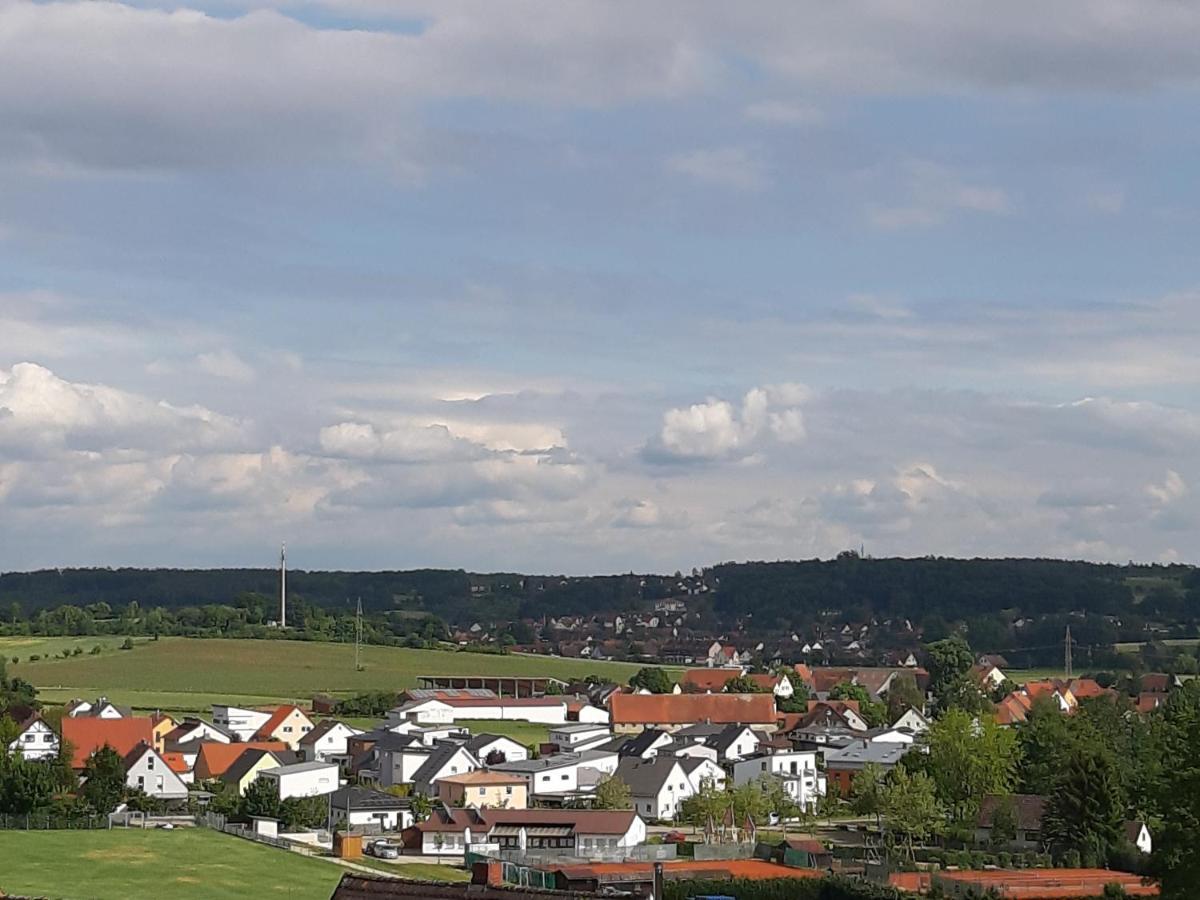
x=775 y=594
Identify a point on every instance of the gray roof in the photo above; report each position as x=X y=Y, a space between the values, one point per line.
x=699 y=730
x=476 y=743
x=297 y=768
x=724 y=739
x=638 y=744
x=579 y=727
x=858 y=754
x=351 y=798
x=557 y=761
x=429 y=769
x=245 y=763
x=319 y=730
x=646 y=776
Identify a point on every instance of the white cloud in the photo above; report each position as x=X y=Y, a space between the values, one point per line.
x=226 y=364
x=714 y=430
x=733 y=168
x=1172 y=488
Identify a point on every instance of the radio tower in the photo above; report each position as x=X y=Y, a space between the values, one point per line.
x=283 y=586
x=1068 y=653
x=358 y=635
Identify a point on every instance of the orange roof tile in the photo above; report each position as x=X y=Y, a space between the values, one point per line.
x=175 y=762
x=277 y=718
x=708 y=679
x=214 y=758
x=86 y=735
x=689 y=709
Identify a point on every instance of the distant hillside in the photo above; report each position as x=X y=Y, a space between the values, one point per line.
x=761 y=595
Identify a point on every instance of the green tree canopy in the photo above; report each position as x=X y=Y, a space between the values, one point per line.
x=104 y=786
x=1083 y=812
x=613 y=793
x=653 y=679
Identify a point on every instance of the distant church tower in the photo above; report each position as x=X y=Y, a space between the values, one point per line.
x=283 y=586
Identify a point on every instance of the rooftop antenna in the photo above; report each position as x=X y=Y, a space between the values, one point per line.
x=1067 y=660
x=358 y=636
x=283 y=585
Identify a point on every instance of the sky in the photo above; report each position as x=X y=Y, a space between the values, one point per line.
x=597 y=286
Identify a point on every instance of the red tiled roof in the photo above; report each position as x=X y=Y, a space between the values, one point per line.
x=1086 y=688
x=690 y=709
x=215 y=758
x=175 y=762
x=277 y=718
x=708 y=679
x=86 y=735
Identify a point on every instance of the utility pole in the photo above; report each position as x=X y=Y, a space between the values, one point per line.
x=358 y=636
x=1068 y=653
x=283 y=586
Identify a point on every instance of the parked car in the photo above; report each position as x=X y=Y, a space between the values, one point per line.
x=383 y=850
x=675 y=837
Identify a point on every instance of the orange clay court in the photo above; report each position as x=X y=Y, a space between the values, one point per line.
x=1042 y=884
x=753 y=869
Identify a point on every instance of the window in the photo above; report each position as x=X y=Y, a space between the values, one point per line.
x=508 y=790
x=565 y=777
x=794 y=765
x=483 y=792
x=141 y=782
x=150 y=763
x=29 y=738
x=545 y=778
x=287 y=729
x=763 y=765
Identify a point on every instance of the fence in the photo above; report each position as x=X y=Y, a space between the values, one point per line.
x=218 y=822
x=723 y=851
x=47 y=822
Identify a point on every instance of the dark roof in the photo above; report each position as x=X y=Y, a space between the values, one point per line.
x=586 y=821
x=645 y=776
x=1028 y=810
x=244 y=763
x=361 y=798
x=319 y=731
x=429 y=769
x=637 y=744
x=724 y=739
x=136 y=753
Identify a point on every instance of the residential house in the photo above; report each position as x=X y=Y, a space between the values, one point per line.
x=502 y=790
x=1027 y=811
x=87 y=734
x=148 y=772
x=214 y=759
x=877 y=680
x=829 y=713
x=239 y=721
x=371 y=811
x=100 y=708
x=579 y=737
x=699 y=770
x=643 y=745
x=192 y=729
x=327 y=741
x=35 y=739
x=657 y=786
x=306 y=779
x=780 y=685
x=796 y=769
x=245 y=769
x=842 y=765
x=912 y=720
x=445 y=759
x=288 y=724
x=706 y=680
x=563 y=776
x=492 y=749
x=570 y=832
x=423 y=712
x=633 y=712
x=987 y=676
x=1139 y=835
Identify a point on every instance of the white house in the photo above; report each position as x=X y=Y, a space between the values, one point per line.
x=198 y=730
x=101 y=708
x=699 y=771
x=491 y=749
x=288 y=724
x=239 y=721
x=657 y=786
x=446 y=759
x=1139 y=835
x=797 y=769
x=148 y=772
x=570 y=832
x=307 y=779
x=579 y=736
x=563 y=773
x=913 y=721
x=423 y=712
x=373 y=810
x=35 y=740
x=327 y=741
x=593 y=715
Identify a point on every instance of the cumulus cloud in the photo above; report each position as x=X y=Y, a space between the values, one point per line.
x=715 y=430
x=38 y=409
x=225 y=364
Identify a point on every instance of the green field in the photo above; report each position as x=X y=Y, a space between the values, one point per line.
x=186 y=674
x=188 y=864
x=24 y=647
x=528 y=733
x=417 y=871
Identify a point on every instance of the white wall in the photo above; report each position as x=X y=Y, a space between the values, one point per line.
x=455 y=844
x=313 y=783
x=389 y=820
x=153 y=776
x=38 y=741
x=555 y=714
x=242 y=722
x=591 y=713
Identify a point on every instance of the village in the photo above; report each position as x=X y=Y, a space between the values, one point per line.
x=723 y=773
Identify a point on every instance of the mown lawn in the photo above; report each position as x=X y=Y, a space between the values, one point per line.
x=24 y=647
x=417 y=871
x=186 y=673
x=188 y=864
x=528 y=733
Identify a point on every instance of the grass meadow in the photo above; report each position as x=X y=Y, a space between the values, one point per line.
x=186 y=674
x=185 y=864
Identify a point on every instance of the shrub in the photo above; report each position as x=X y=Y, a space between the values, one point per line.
x=1004 y=859
x=96 y=651
x=34 y=658
x=128 y=645
x=1071 y=859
